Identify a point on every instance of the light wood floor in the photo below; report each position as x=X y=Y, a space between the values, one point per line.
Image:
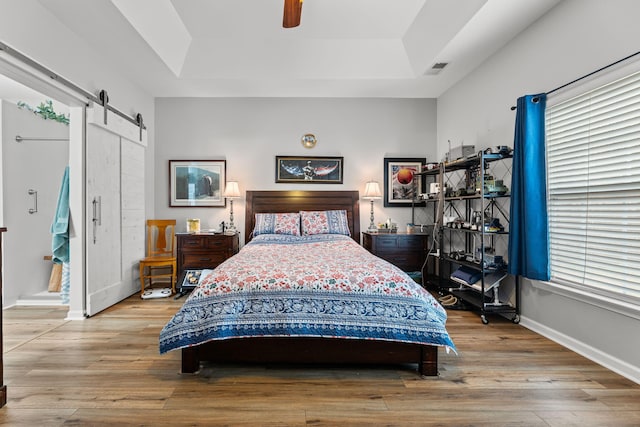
x=107 y=371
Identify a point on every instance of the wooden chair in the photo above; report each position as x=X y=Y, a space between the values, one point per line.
x=160 y=253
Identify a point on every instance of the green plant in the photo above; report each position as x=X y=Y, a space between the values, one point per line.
x=45 y=110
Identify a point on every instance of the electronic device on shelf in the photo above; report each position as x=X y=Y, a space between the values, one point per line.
x=492 y=225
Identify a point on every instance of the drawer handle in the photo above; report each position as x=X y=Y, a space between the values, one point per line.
x=205 y=259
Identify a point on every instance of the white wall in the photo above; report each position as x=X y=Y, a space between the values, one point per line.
x=249 y=133
x=31 y=29
x=37 y=165
x=573 y=39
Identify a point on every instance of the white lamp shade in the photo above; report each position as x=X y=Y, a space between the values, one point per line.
x=232 y=191
x=372 y=190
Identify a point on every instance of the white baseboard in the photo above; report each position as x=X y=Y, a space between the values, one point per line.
x=38 y=302
x=616 y=365
x=41 y=299
x=75 y=315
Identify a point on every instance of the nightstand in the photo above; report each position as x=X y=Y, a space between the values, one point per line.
x=198 y=251
x=405 y=250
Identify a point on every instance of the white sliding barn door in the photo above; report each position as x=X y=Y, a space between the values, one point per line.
x=115 y=211
x=104 y=271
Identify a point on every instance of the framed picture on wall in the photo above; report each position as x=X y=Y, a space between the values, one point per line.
x=196 y=183
x=401 y=184
x=309 y=170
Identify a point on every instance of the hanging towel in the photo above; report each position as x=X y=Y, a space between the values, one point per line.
x=60 y=225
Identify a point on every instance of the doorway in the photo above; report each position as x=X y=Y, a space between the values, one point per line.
x=89 y=123
x=35 y=152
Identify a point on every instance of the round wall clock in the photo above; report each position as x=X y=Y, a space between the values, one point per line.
x=309 y=140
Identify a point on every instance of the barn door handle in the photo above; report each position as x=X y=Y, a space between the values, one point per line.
x=97 y=216
x=33 y=193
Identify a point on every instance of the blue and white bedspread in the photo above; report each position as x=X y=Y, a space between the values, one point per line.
x=308 y=286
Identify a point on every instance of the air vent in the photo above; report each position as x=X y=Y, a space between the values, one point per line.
x=436 y=68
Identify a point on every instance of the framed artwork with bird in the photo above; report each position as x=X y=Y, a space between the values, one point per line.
x=309 y=170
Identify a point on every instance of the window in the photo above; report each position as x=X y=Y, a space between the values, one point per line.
x=593 y=161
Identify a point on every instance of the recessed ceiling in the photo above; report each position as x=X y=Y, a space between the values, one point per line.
x=342 y=48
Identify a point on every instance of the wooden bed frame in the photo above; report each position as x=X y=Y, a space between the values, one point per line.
x=308 y=350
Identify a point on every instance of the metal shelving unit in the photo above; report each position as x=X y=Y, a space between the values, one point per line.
x=473 y=233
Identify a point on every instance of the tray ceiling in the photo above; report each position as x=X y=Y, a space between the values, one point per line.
x=342 y=48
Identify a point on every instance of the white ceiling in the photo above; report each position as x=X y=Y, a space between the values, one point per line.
x=343 y=48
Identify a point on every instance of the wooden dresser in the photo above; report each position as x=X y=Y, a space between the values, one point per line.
x=405 y=250
x=197 y=251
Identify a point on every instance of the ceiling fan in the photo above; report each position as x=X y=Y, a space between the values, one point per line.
x=292 y=13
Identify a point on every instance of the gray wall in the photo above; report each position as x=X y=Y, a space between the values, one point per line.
x=249 y=133
x=573 y=39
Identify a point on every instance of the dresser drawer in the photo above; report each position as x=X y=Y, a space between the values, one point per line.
x=400 y=241
x=199 y=251
x=405 y=261
x=412 y=243
x=386 y=242
x=193 y=242
x=202 y=259
x=204 y=242
x=406 y=251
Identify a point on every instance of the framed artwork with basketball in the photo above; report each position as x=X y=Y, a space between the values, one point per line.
x=402 y=185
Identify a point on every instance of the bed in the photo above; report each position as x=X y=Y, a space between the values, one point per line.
x=314 y=298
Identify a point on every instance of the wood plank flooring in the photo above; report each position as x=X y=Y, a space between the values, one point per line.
x=106 y=370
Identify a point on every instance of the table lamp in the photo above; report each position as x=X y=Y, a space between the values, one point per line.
x=372 y=192
x=231 y=192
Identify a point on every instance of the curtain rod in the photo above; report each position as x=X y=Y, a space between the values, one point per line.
x=53 y=76
x=27 y=138
x=585 y=76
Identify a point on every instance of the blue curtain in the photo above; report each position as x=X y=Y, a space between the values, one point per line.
x=529 y=224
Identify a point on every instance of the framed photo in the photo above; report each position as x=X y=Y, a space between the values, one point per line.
x=309 y=170
x=197 y=183
x=401 y=184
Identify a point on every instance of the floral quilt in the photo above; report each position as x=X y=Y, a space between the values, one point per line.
x=308 y=286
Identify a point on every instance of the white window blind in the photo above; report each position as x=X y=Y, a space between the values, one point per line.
x=593 y=161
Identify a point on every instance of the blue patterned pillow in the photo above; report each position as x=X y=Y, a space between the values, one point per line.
x=277 y=223
x=324 y=222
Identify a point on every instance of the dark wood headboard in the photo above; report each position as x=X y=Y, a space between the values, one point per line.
x=295 y=201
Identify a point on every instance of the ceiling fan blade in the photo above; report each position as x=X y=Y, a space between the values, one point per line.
x=292 y=13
